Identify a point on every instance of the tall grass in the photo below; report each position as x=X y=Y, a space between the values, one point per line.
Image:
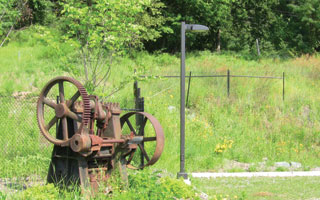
x=251 y=124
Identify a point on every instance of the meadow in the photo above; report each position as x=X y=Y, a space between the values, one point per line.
x=251 y=125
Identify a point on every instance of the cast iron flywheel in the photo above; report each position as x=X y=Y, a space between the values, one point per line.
x=62 y=109
x=156 y=138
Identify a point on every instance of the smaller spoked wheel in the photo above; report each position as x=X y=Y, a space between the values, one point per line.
x=149 y=149
x=54 y=107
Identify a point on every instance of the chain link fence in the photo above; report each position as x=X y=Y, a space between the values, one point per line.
x=20 y=134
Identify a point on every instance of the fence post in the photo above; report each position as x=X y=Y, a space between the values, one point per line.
x=228 y=82
x=139 y=106
x=188 y=89
x=258 y=47
x=283 y=86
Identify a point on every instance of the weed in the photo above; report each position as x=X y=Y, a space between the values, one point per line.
x=254 y=117
x=3 y=196
x=40 y=192
x=281 y=169
x=148 y=185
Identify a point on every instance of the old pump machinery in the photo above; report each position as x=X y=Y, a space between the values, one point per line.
x=90 y=138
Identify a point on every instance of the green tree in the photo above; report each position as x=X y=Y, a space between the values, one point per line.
x=280 y=25
x=15 y=14
x=101 y=29
x=9 y=16
x=305 y=25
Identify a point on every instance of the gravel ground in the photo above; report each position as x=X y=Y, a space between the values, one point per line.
x=12 y=185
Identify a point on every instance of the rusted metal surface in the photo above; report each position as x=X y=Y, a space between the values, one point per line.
x=62 y=110
x=89 y=143
x=158 y=138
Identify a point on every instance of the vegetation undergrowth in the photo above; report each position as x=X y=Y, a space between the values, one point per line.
x=251 y=124
x=142 y=185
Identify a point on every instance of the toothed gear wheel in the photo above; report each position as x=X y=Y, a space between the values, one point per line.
x=62 y=110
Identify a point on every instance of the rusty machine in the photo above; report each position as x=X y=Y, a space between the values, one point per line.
x=90 y=138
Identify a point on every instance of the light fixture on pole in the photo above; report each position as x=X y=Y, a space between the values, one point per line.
x=194 y=28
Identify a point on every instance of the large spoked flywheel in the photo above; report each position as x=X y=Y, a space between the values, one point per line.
x=54 y=106
x=152 y=144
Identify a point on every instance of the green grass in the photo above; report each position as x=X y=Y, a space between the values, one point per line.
x=142 y=185
x=254 y=118
x=252 y=124
x=260 y=188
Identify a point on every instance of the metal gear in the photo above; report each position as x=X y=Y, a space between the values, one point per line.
x=62 y=109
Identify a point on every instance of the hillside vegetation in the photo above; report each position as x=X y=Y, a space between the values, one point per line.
x=252 y=124
x=109 y=44
x=281 y=27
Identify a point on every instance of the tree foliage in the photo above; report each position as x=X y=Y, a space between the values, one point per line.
x=16 y=14
x=279 y=25
x=101 y=29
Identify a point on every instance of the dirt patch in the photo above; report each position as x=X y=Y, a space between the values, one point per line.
x=263 y=194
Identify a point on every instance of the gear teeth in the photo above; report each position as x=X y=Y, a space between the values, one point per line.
x=86 y=102
x=86 y=115
x=113 y=107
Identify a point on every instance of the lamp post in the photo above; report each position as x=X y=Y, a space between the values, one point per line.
x=184 y=27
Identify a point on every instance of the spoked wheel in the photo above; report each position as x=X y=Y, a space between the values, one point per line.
x=150 y=148
x=53 y=107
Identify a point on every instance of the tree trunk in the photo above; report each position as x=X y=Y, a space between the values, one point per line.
x=218 y=40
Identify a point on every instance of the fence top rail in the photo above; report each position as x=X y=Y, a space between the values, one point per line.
x=247 y=76
x=131 y=109
x=209 y=76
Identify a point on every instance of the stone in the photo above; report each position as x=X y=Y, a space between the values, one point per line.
x=191 y=116
x=204 y=196
x=295 y=164
x=171 y=108
x=282 y=164
x=187 y=181
x=232 y=165
x=315 y=169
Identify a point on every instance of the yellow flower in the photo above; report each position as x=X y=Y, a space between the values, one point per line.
x=171 y=96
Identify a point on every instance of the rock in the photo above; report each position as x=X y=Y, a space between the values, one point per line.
x=261 y=166
x=21 y=94
x=232 y=164
x=282 y=164
x=187 y=181
x=171 y=108
x=315 y=169
x=191 y=116
x=295 y=165
x=306 y=112
x=204 y=196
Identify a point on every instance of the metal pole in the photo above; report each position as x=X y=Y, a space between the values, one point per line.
x=140 y=122
x=188 y=90
x=282 y=86
x=182 y=172
x=228 y=82
x=139 y=105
